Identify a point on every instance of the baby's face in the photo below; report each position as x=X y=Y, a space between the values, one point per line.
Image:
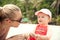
x=43 y=18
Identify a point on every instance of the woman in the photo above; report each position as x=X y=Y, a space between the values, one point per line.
x=10 y=15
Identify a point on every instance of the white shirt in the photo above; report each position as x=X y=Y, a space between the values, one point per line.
x=54 y=31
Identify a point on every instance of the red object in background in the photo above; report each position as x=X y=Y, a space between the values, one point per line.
x=31 y=38
x=41 y=30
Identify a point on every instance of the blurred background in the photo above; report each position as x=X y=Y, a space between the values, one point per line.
x=29 y=7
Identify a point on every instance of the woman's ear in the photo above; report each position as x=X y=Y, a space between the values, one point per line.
x=8 y=20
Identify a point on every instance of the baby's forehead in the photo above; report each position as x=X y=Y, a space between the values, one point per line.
x=41 y=13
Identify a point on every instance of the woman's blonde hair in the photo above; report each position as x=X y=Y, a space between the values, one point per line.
x=8 y=11
x=1 y=14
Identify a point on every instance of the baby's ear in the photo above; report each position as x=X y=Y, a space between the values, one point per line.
x=49 y=20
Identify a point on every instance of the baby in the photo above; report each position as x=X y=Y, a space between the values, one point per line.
x=44 y=17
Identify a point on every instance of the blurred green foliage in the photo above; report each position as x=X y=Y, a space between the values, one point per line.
x=58 y=20
x=29 y=7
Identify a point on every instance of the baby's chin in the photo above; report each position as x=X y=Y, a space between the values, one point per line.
x=41 y=23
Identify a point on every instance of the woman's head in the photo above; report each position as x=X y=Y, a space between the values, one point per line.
x=11 y=13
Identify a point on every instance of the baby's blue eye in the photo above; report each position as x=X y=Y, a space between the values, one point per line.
x=42 y=16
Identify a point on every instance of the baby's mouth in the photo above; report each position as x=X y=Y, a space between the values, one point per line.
x=40 y=21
